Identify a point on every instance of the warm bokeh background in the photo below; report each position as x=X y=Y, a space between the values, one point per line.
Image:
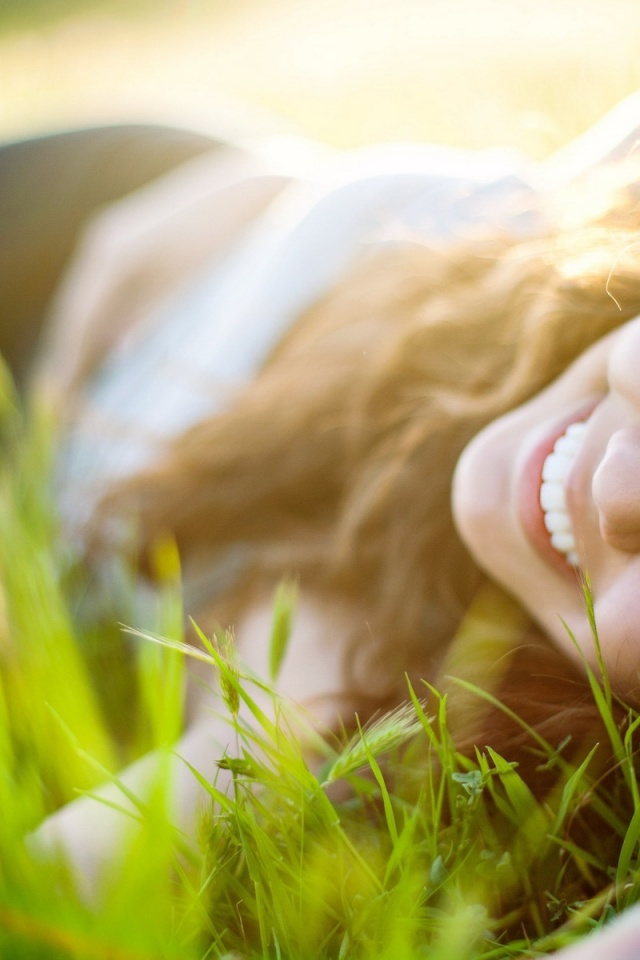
x=467 y=72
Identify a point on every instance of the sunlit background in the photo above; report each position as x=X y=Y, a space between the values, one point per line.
x=467 y=72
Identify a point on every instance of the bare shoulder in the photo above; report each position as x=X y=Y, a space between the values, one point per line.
x=313 y=673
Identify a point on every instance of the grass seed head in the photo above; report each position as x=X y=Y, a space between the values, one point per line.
x=229 y=673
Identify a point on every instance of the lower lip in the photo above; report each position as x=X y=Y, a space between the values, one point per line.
x=530 y=512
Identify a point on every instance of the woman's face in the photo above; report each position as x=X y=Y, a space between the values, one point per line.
x=552 y=489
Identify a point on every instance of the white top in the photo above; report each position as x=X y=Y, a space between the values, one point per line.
x=188 y=361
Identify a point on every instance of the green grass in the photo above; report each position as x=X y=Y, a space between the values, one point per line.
x=17 y=15
x=428 y=854
x=29 y=14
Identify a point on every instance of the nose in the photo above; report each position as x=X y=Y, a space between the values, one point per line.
x=616 y=491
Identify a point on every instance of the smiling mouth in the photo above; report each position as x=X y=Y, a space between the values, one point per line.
x=555 y=471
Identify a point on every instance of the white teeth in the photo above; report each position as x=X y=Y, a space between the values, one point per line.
x=552 y=497
x=564 y=542
x=555 y=470
x=556 y=521
x=567 y=446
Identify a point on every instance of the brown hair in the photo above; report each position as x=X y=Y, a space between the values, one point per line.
x=335 y=464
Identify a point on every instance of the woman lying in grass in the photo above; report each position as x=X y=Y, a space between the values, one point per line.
x=394 y=377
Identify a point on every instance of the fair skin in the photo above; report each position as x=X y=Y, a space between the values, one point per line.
x=496 y=504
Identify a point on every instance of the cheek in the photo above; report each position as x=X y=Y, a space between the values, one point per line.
x=617 y=613
x=480 y=494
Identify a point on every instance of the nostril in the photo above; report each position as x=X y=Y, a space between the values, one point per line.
x=616 y=492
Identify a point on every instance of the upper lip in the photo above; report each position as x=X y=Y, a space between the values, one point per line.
x=612 y=437
x=576 y=494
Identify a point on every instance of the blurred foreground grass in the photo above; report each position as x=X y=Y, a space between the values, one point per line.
x=467 y=72
x=431 y=856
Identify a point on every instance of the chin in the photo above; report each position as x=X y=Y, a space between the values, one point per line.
x=486 y=514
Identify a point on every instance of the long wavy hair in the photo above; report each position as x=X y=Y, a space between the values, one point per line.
x=335 y=463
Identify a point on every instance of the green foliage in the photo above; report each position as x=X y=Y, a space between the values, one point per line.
x=391 y=845
x=29 y=14
x=283 y=610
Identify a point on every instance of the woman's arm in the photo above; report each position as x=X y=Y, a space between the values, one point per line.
x=141 y=250
x=92 y=836
x=619 y=940
x=613 y=139
x=93 y=833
